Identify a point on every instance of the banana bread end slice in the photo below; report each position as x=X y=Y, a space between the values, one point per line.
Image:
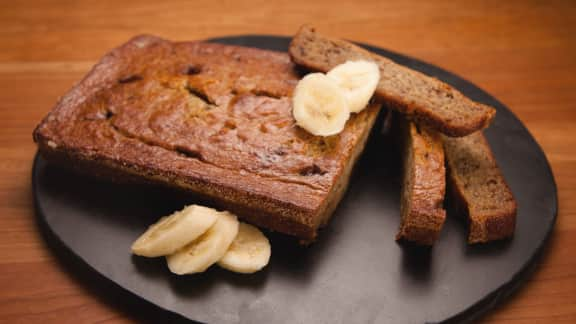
x=423 y=187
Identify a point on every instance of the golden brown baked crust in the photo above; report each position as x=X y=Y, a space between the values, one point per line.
x=211 y=119
x=423 y=99
x=478 y=188
x=423 y=185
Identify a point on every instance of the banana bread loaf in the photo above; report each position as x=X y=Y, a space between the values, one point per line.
x=211 y=119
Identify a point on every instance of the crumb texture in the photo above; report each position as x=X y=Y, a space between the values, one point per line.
x=479 y=189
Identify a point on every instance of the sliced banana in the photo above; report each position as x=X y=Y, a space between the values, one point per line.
x=358 y=80
x=175 y=231
x=319 y=105
x=249 y=252
x=206 y=250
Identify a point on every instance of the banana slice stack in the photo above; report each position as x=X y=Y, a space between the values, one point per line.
x=197 y=237
x=322 y=103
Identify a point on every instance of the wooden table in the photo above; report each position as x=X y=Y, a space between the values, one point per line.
x=524 y=53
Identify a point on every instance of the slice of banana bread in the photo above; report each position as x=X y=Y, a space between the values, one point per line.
x=425 y=100
x=478 y=188
x=423 y=185
x=211 y=119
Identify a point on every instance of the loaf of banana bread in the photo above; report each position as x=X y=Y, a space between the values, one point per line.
x=211 y=119
x=478 y=188
x=423 y=99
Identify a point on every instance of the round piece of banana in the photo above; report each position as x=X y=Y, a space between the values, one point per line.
x=206 y=250
x=319 y=105
x=250 y=251
x=172 y=232
x=358 y=80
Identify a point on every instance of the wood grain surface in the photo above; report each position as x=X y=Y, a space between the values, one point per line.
x=522 y=52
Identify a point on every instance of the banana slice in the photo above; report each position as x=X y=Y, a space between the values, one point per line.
x=319 y=105
x=200 y=254
x=358 y=80
x=174 y=231
x=249 y=252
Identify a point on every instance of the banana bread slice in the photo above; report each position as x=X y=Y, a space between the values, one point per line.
x=425 y=100
x=211 y=119
x=423 y=185
x=478 y=188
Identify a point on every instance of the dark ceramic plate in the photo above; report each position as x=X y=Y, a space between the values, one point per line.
x=355 y=273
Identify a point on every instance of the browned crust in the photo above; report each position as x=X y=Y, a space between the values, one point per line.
x=289 y=208
x=423 y=186
x=336 y=51
x=251 y=209
x=484 y=226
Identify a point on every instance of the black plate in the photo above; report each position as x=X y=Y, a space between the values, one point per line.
x=355 y=273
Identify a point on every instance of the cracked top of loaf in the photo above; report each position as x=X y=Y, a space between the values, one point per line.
x=210 y=118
